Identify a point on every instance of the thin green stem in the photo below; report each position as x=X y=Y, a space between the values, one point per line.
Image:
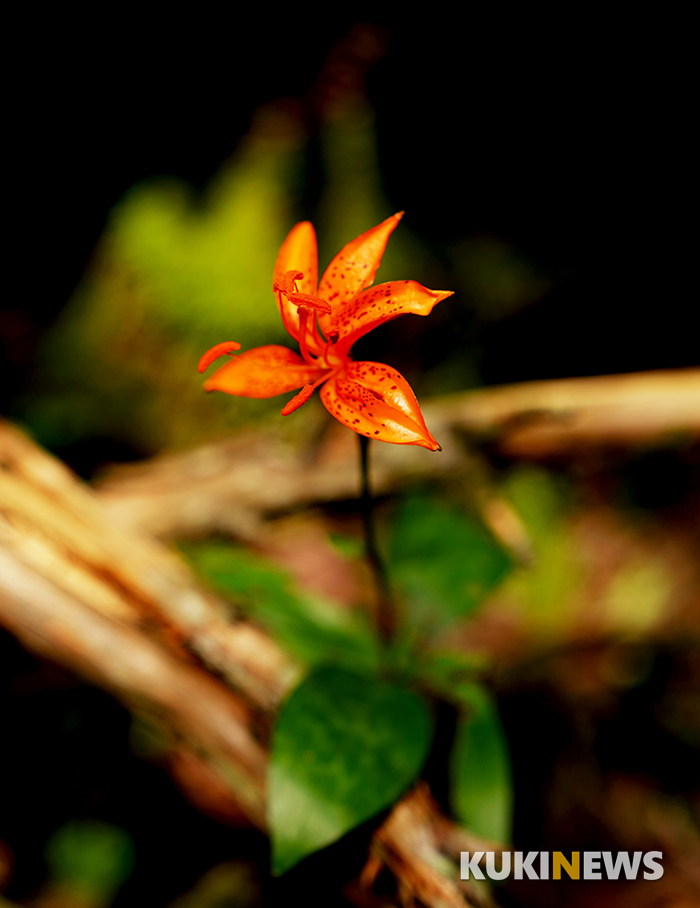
x=386 y=614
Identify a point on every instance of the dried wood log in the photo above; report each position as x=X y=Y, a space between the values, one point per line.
x=568 y=416
x=119 y=608
x=51 y=523
x=139 y=671
x=231 y=486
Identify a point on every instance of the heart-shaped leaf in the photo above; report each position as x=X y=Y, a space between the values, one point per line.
x=345 y=747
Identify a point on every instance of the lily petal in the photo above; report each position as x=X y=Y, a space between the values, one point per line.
x=380 y=304
x=263 y=372
x=299 y=252
x=355 y=266
x=375 y=400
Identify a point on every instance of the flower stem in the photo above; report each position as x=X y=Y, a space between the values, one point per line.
x=386 y=615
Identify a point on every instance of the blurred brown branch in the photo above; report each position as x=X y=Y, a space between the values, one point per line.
x=233 y=485
x=566 y=416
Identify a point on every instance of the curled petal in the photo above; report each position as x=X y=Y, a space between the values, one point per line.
x=380 y=304
x=298 y=253
x=375 y=400
x=355 y=266
x=263 y=372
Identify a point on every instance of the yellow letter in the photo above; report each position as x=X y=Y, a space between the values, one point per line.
x=559 y=861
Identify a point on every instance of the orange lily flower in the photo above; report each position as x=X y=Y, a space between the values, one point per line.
x=326 y=319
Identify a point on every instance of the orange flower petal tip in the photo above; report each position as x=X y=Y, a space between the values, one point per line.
x=215 y=352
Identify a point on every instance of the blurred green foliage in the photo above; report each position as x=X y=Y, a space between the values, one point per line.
x=313 y=630
x=444 y=561
x=345 y=746
x=348 y=740
x=90 y=859
x=551 y=590
x=172 y=275
x=543 y=588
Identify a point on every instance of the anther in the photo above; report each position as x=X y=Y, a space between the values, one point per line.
x=298 y=400
x=305 y=301
x=287 y=285
x=216 y=351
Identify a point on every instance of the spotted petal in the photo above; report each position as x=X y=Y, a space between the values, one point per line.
x=263 y=372
x=375 y=400
x=380 y=304
x=355 y=266
x=297 y=253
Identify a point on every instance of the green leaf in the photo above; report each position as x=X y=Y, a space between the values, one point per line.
x=445 y=561
x=345 y=747
x=313 y=630
x=482 y=788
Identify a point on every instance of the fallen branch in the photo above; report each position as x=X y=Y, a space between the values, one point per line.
x=232 y=486
x=572 y=415
x=52 y=525
x=138 y=671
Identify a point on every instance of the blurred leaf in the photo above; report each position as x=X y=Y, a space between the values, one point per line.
x=540 y=499
x=313 y=630
x=482 y=795
x=345 y=747
x=90 y=857
x=445 y=561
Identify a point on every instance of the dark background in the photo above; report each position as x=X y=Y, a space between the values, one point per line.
x=567 y=138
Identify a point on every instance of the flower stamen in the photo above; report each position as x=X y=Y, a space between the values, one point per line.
x=298 y=400
x=288 y=286
x=215 y=352
x=303 y=343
